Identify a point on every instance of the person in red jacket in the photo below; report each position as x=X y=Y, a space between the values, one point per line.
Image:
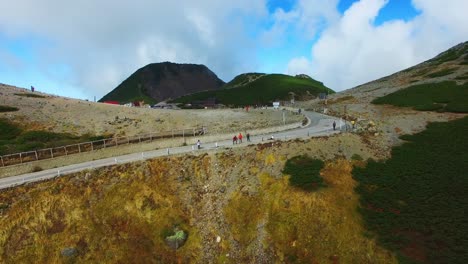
x=240 y=137
x=234 y=140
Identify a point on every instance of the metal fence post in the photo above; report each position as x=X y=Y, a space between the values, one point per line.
x=21 y=158
x=3 y=164
x=79 y=148
x=37 y=158
x=92 y=146
x=104 y=141
x=51 y=153
x=66 y=152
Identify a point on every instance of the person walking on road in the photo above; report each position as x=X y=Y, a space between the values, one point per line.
x=198 y=144
x=248 y=137
x=334 y=125
x=240 y=137
x=234 y=140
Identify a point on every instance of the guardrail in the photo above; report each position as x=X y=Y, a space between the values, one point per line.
x=49 y=153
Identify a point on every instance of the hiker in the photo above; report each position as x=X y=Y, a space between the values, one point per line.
x=198 y=144
x=234 y=140
x=240 y=137
x=352 y=123
x=32 y=88
x=248 y=137
x=334 y=125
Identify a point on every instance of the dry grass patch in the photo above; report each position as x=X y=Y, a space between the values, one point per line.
x=322 y=226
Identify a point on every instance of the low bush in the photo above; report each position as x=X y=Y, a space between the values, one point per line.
x=6 y=108
x=30 y=95
x=442 y=73
x=8 y=130
x=417 y=200
x=443 y=96
x=13 y=139
x=356 y=157
x=304 y=172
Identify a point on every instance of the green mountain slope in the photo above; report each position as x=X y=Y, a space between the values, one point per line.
x=263 y=90
x=443 y=96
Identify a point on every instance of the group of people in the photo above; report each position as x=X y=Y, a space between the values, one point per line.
x=238 y=138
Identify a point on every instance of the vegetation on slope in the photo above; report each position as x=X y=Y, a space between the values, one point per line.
x=262 y=91
x=113 y=216
x=416 y=202
x=451 y=54
x=122 y=213
x=14 y=139
x=318 y=227
x=441 y=73
x=305 y=172
x=443 y=96
x=242 y=79
x=30 y=95
x=158 y=81
x=6 y=108
x=131 y=90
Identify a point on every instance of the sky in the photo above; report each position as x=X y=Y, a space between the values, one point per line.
x=84 y=49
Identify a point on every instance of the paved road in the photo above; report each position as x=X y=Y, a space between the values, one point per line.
x=319 y=125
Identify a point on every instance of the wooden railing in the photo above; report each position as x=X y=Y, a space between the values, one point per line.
x=49 y=153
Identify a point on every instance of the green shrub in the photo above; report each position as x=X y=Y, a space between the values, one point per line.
x=356 y=157
x=13 y=139
x=41 y=136
x=36 y=169
x=304 y=172
x=6 y=108
x=30 y=95
x=419 y=197
x=441 y=73
x=442 y=96
x=8 y=130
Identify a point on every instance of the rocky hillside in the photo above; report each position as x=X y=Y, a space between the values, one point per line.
x=161 y=81
x=450 y=65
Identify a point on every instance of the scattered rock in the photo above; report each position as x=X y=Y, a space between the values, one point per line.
x=69 y=252
x=176 y=240
x=218 y=239
x=222 y=189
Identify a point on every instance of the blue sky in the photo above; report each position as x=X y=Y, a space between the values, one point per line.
x=87 y=48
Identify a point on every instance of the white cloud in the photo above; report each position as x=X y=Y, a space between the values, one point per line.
x=103 y=42
x=353 y=50
x=298 y=66
x=306 y=19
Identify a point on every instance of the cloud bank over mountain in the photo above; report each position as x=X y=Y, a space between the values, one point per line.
x=94 y=45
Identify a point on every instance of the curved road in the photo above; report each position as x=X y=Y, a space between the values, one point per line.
x=319 y=125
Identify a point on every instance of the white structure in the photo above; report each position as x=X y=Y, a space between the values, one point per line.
x=276 y=105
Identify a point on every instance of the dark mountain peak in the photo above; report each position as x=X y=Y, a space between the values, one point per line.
x=161 y=81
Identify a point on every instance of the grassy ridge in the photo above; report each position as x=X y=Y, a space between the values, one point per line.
x=442 y=96
x=261 y=91
x=416 y=202
x=242 y=79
